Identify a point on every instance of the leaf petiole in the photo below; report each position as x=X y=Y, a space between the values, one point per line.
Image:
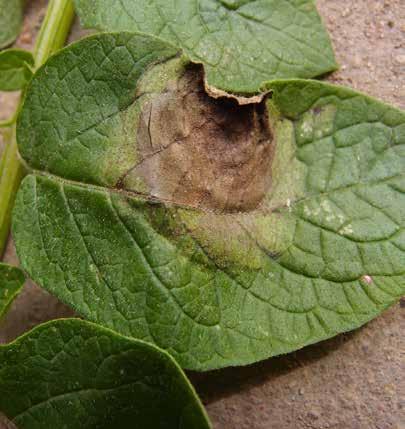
x=5 y=123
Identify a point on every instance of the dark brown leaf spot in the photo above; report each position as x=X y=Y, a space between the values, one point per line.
x=204 y=152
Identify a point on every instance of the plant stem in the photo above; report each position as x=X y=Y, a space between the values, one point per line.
x=54 y=30
x=52 y=36
x=11 y=174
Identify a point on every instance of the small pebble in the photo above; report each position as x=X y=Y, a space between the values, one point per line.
x=400 y=59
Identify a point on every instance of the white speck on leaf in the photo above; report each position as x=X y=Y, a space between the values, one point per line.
x=306 y=128
x=367 y=279
x=346 y=230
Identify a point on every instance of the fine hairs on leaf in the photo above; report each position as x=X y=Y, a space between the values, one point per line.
x=142 y=212
x=242 y=43
x=73 y=374
x=11 y=282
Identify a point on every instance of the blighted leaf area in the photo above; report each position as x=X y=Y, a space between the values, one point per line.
x=223 y=233
x=202 y=152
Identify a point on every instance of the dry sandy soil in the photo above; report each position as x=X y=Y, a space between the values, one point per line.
x=354 y=381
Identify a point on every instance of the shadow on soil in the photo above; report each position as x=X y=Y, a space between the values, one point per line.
x=217 y=384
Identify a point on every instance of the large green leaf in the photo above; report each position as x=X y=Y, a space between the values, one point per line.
x=15 y=69
x=72 y=374
x=11 y=16
x=242 y=43
x=225 y=234
x=11 y=281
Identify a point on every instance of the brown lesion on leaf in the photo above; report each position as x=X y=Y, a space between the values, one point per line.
x=199 y=151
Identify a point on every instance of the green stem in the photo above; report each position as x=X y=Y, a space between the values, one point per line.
x=54 y=30
x=5 y=123
x=11 y=174
x=52 y=36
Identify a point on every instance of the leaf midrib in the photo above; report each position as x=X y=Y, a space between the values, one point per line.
x=158 y=200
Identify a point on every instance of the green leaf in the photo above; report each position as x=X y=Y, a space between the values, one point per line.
x=15 y=69
x=242 y=43
x=73 y=374
x=11 y=282
x=224 y=234
x=11 y=16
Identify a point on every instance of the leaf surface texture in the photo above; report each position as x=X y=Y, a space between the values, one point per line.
x=241 y=43
x=15 y=69
x=11 y=16
x=11 y=281
x=221 y=280
x=73 y=374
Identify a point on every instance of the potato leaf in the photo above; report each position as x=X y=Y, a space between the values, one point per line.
x=73 y=374
x=242 y=43
x=224 y=234
x=11 y=16
x=11 y=282
x=15 y=69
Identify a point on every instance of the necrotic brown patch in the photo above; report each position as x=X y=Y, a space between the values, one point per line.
x=199 y=151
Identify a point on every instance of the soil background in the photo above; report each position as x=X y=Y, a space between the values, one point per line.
x=354 y=381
